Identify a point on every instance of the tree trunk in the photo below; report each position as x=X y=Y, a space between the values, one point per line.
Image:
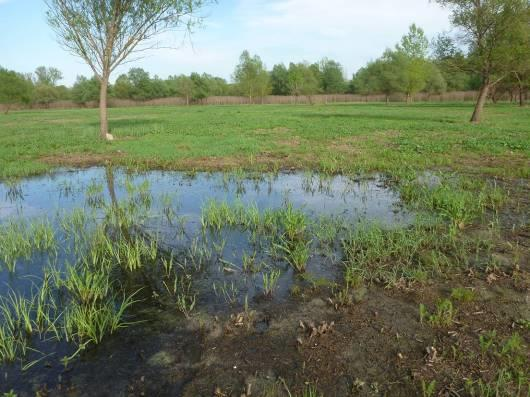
x=482 y=96
x=103 y=116
x=387 y=99
x=7 y=109
x=521 y=95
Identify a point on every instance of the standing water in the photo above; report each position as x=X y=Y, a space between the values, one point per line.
x=94 y=261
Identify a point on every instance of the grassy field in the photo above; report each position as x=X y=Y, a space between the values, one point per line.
x=340 y=307
x=330 y=138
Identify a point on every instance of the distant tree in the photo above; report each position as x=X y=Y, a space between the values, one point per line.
x=489 y=29
x=434 y=82
x=251 y=76
x=14 y=88
x=451 y=62
x=45 y=94
x=86 y=90
x=414 y=44
x=48 y=76
x=332 y=77
x=105 y=33
x=409 y=74
x=123 y=87
x=200 y=87
x=378 y=77
x=215 y=86
x=280 y=80
x=182 y=86
x=302 y=80
x=141 y=83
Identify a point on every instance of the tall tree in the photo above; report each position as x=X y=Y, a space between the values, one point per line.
x=105 y=33
x=251 y=76
x=302 y=80
x=332 y=77
x=280 y=80
x=452 y=63
x=14 y=88
x=48 y=76
x=410 y=61
x=183 y=86
x=86 y=90
x=487 y=28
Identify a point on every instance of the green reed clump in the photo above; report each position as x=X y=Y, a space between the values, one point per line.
x=94 y=195
x=19 y=241
x=15 y=243
x=270 y=282
x=294 y=223
x=217 y=215
x=457 y=199
x=296 y=253
x=388 y=255
x=43 y=236
x=90 y=323
x=85 y=285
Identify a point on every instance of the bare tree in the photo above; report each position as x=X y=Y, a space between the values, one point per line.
x=105 y=33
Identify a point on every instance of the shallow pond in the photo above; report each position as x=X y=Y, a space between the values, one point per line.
x=215 y=242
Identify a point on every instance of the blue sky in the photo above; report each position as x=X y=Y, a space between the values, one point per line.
x=351 y=31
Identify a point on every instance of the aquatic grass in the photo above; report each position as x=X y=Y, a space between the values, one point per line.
x=11 y=346
x=15 y=243
x=43 y=236
x=228 y=291
x=84 y=285
x=249 y=263
x=295 y=253
x=90 y=323
x=270 y=282
x=411 y=253
x=457 y=199
x=94 y=194
x=294 y=223
x=182 y=293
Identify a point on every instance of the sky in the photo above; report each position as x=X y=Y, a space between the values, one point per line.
x=352 y=32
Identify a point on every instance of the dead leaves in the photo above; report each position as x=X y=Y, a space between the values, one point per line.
x=312 y=331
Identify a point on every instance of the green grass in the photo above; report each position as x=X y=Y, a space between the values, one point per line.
x=333 y=138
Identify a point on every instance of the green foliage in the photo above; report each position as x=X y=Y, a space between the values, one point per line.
x=462 y=294
x=384 y=138
x=280 y=80
x=14 y=88
x=251 y=76
x=332 y=76
x=443 y=315
x=85 y=90
x=302 y=79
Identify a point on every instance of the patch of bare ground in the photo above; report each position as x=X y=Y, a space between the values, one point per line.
x=291 y=142
x=82 y=159
x=354 y=143
x=510 y=160
x=269 y=131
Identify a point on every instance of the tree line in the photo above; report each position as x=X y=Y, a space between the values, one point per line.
x=490 y=54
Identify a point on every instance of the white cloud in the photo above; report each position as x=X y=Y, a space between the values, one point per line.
x=353 y=31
